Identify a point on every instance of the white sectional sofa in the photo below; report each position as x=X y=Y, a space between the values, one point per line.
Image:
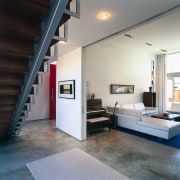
x=135 y=110
x=158 y=127
x=138 y=118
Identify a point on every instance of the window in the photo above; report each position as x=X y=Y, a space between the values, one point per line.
x=173 y=80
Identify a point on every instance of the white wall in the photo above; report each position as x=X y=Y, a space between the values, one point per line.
x=108 y=63
x=40 y=110
x=69 y=117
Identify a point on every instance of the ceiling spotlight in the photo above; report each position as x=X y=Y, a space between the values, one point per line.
x=129 y=36
x=104 y=15
x=148 y=44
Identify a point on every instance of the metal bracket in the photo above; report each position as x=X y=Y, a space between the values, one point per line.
x=74 y=14
x=65 y=33
x=55 y=55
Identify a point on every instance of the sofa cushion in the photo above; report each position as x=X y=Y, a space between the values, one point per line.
x=139 y=106
x=130 y=112
x=127 y=106
x=157 y=123
x=110 y=109
x=129 y=109
x=148 y=112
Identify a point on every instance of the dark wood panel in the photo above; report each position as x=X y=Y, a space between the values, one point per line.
x=13 y=45
x=13 y=65
x=7 y=107
x=23 y=29
x=6 y=90
x=4 y=115
x=28 y=8
x=149 y=99
x=3 y=132
x=8 y=100
x=11 y=79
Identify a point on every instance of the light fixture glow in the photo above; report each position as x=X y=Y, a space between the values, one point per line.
x=104 y=15
x=63 y=42
x=54 y=62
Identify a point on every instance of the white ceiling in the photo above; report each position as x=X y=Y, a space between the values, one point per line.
x=147 y=20
x=162 y=34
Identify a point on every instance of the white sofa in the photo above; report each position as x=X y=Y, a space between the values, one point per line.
x=135 y=110
x=137 y=117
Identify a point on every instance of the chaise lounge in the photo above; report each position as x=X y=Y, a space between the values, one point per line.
x=137 y=117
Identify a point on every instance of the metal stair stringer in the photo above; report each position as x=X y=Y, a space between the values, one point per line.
x=45 y=66
x=46 y=70
x=56 y=14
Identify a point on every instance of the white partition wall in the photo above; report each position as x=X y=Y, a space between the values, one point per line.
x=69 y=115
x=110 y=63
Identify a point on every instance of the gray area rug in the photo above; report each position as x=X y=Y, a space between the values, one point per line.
x=74 y=164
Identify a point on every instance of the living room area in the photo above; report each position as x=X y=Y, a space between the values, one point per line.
x=117 y=70
x=117 y=61
x=124 y=59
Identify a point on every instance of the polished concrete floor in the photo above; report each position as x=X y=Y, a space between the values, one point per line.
x=132 y=156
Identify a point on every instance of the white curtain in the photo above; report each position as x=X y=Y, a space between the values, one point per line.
x=161 y=83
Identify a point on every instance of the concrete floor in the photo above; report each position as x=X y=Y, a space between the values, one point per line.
x=132 y=156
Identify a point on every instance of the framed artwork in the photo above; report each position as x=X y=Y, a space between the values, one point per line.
x=121 y=89
x=66 y=89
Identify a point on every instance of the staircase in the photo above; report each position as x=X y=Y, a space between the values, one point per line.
x=27 y=28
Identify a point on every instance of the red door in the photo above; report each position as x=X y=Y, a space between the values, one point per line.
x=52 y=85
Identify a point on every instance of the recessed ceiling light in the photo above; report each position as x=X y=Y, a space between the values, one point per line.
x=163 y=50
x=129 y=35
x=148 y=44
x=104 y=15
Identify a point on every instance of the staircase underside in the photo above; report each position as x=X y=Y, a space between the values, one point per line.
x=21 y=29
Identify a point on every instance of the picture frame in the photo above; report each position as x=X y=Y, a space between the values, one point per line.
x=66 y=89
x=121 y=89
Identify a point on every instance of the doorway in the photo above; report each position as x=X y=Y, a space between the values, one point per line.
x=52 y=90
